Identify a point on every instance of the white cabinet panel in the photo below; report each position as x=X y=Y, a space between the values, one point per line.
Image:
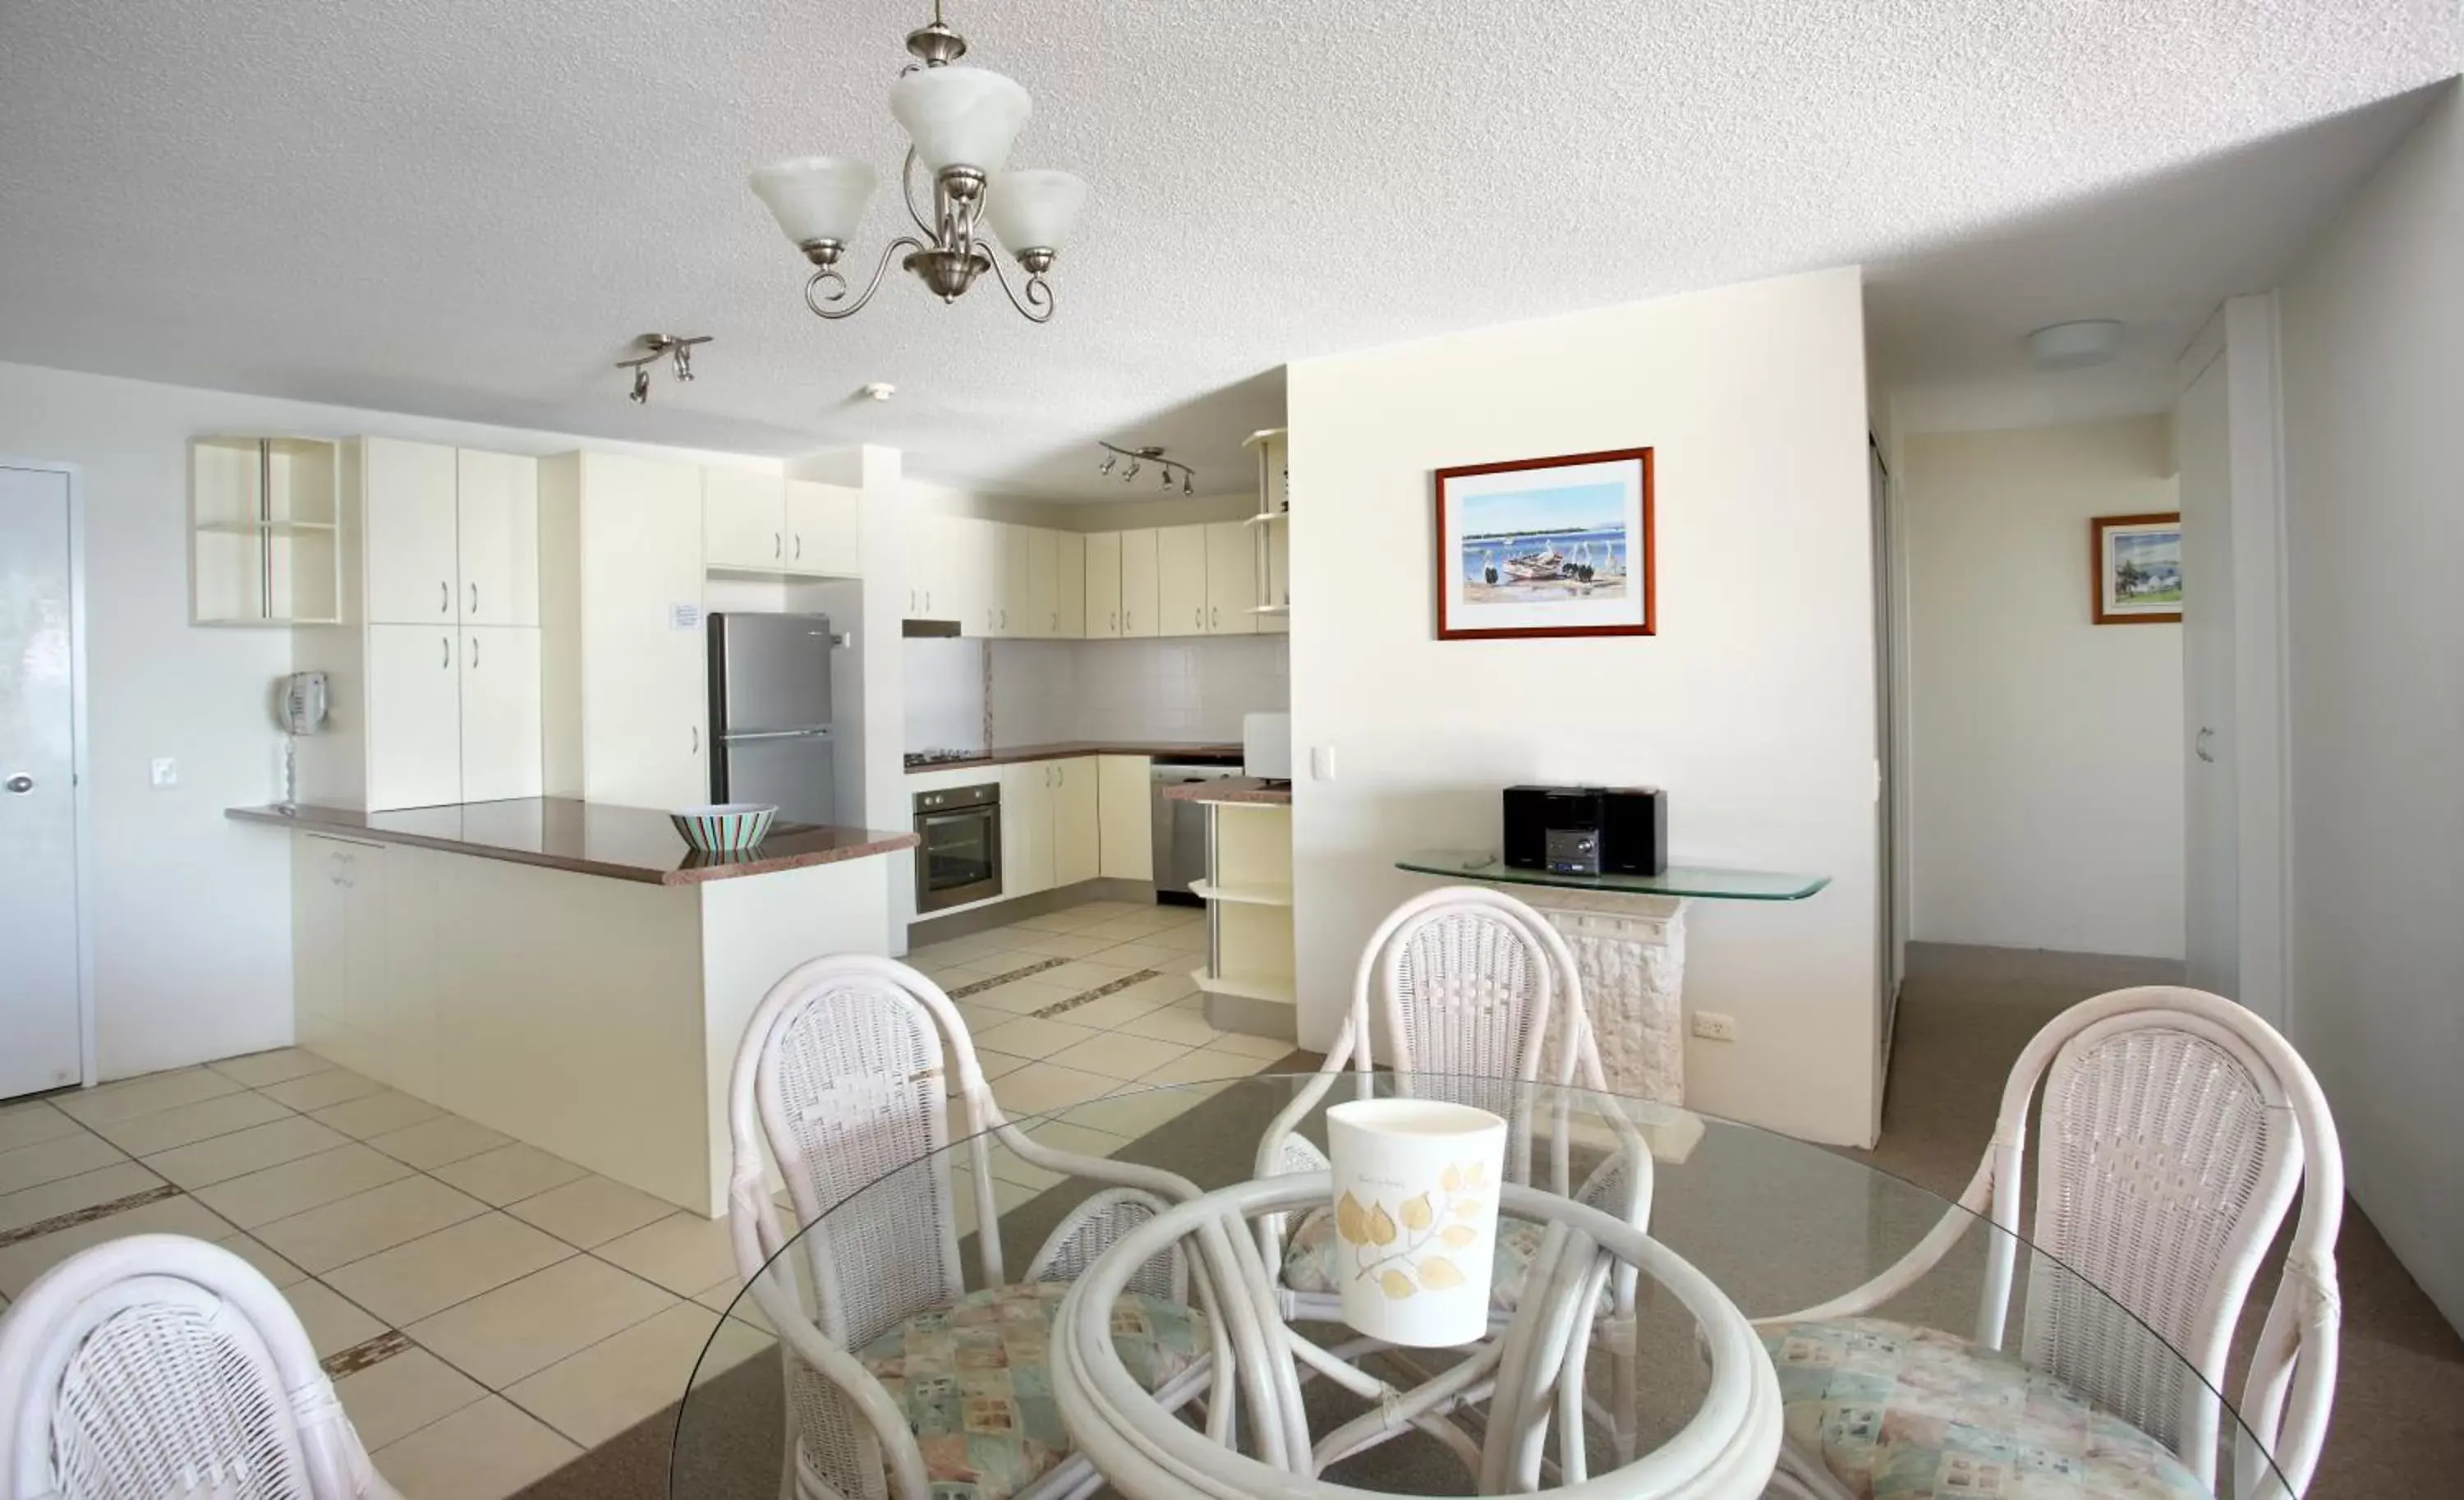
x=497 y=537
x=1041 y=613
x=642 y=706
x=319 y=939
x=824 y=529
x=1077 y=838
x=414 y=716
x=1180 y=579
x=1026 y=827
x=1279 y=576
x=743 y=520
x=1069 y=572
x=1125 y=815
x=1141 y=587
x=1231 y=579
x=1013 y=596
x=408 y=509
x=1102 y=599
x=500 y=712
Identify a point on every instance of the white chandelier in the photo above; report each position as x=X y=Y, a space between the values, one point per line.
x=962 y=122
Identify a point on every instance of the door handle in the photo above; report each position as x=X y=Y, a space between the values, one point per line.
x=444 y=597
x=1217 y=622
x=800 y=547
x=474 y=653
x=773 y=543
x=21 y=784
x=1199 y=620
x=2200 y=742
x=696 y=739
x=445 y=652
x=474 y=597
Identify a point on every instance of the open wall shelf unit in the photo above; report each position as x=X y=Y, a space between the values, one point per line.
x=264 y=543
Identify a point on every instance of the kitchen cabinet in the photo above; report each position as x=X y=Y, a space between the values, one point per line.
x=1041 y=613
x=496 y=537
x=1278 y=592
x=1026 y=827
x=1125 y=817
x=1077 y=838
x=1141 y=587
x=499 y=683
x=1012 y=598
x=1231 y=579
x=264 y=544
x=341 y=985
x=1180 y=579
x=407 y=500
x=1101 y=598
x=743 y=521
x=1070 y=586
x=824 y=529
x=412 y=717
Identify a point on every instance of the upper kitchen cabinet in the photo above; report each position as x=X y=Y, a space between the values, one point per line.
x=409 y=532
x=496 y=537
x=1273 y=522
x=743 y=521
x=1231 y=579
x=824 y=529
x=1070 y=591
x=1102 y=599
x=264 y=546
x=1141 y=584
x=1180 y=580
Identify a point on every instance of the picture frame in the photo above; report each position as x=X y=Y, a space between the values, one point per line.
x=2135 y=568
x=1540 y=547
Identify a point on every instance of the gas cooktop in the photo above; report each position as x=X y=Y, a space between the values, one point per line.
x=916 y=758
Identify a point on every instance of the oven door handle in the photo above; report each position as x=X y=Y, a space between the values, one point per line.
x=926 y=820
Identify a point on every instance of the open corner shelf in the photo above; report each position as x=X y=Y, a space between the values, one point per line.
x=1243 y=896
x=1273 y=991
x=264 y=532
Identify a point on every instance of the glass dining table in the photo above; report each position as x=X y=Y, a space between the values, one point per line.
x=1776 y=1225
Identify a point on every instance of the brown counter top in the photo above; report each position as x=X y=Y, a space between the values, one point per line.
x=585 y=837
x=1248 y=789
x=1063 y=749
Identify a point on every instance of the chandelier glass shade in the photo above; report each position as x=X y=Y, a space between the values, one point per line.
x=963 y=122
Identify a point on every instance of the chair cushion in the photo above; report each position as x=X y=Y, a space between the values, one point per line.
x=1309 y=1258
x=1901 y=1413
x=976 y=1379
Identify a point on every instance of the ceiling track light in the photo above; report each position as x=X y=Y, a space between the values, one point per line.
x=963 y=122
x=653 y=348
x=1172 y=468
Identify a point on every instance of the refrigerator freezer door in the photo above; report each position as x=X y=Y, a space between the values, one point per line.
x=769 y=671
x=797 y=773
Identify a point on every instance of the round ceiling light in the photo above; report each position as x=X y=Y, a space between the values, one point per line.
x=2069 y=346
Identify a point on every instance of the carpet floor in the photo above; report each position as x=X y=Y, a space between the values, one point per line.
x=1964 y=1016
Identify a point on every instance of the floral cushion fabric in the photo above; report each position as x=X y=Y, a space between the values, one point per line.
x=1901 y=1413
x=976 y=1379
x=1309 y=1258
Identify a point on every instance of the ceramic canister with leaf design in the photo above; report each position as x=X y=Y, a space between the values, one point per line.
x=1416 y=1184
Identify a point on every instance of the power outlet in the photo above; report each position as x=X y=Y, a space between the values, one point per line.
x=1713 y=1025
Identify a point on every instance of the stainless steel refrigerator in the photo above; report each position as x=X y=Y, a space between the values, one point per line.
x=770 y=714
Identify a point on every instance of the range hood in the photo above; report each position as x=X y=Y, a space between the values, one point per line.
x=928 y=628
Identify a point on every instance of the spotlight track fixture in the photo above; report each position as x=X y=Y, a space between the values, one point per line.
x=1172 y=468
x=651 y=348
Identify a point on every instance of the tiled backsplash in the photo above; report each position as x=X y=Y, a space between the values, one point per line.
x=1194 y=689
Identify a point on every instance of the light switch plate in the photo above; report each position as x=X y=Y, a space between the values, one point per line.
x=1322 y=763
x=166 y=771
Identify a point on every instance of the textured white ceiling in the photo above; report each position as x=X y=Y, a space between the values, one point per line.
x=466 y=207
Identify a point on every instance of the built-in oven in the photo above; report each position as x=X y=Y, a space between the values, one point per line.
x=958 y=859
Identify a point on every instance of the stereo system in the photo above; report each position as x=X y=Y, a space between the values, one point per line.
x=1587 y=830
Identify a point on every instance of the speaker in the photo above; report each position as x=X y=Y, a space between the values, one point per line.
x=1634 y=831
x=1553 y=827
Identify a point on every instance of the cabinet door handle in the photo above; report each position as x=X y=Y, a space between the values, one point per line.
x=444 y=651
x=1199 y=617
x=696 y=739
x=800 y=547
x=444 y=597
x=1217 y=622
x=474 y=597
x=773 y=543
x=474 y=653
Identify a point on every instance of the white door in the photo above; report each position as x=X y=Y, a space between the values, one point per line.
x=409 y=518
x=1077 y=838
x=1231 y=578
x=1103 y=585
x=2210 y=844
x=496 y=537
x=500 y=712
x=39 y=1027
x=1180 y=580
x=824 y=529
x=743 y=520
x=414 y=716
x=1140 y=586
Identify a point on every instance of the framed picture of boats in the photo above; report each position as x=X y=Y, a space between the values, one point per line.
x=1545 y=546
x=2138 y=568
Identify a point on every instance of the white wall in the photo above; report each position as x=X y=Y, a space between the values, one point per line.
x=192 y=912
x=2373 y=360
x=1753 y=705
x=2045 y=753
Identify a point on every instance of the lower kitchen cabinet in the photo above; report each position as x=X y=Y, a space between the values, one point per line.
x=1077 y=838
x=1125 y=817
x=340 y=970
x=1051 y=824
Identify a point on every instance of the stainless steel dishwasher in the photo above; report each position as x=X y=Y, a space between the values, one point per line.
x=1180 y=828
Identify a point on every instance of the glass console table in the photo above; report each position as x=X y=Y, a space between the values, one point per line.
x=1628 y=936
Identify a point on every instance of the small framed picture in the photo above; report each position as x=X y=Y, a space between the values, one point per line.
x=2137 y=563
x=1545 y=546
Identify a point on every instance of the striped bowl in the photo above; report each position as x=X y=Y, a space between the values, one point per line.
x=724 y=827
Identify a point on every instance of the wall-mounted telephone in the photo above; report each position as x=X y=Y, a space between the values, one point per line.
x=300 y=702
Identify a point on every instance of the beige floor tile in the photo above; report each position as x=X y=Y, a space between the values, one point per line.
x=953 y=950
x=590 y=1211
x=297 y=1186
x=1028 y=1037
x=333 y=1322
x=1018 y=997
x=728 y=1298
x=1010 y=961
x=378 y=1113
x=24 y=1124
x=683 y=1252
x=1168 y=988
x=485 y=1451
x=952 y=976
x=21 y=1262
x=1042 y=1088
x=1136 y=1111
x=279 y=1066
x=317 y=1091
x=135 y=1097
x=356 y=1227
x=523 y=1327
x=980 y=1018
x=1068 y=920
x=592 y=1395
x=446 y=1138
x=509 y=1174
x=1203 y=1066
x=146 y=1134
x=395 y=1398
x=1116 y=1054
x=67 y=1196
x=1115 y=931
x=1270 y=1048
x=273 y=1267
x=1112 y=1012
x=998 y=1064
x=1173 y=1024
x=1073 y=1136
x=428 y=1274
x=1081 y=975
x=1146 y=955
x=1061 y=945
x=222 y=1157
x=50 y=1160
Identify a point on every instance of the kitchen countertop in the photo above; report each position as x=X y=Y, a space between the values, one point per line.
x=1249 y=789
x=587 y=838
x=1063 y=749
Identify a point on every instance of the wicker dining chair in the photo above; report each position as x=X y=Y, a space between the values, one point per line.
x=162 y=1365
x=2177 y=1128
x=845 y=1079
x=1471 y=992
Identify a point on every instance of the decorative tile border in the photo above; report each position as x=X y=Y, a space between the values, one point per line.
x=359 y=1356
x=1000 y=979
x=1097 y=993
x=70 y=1220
